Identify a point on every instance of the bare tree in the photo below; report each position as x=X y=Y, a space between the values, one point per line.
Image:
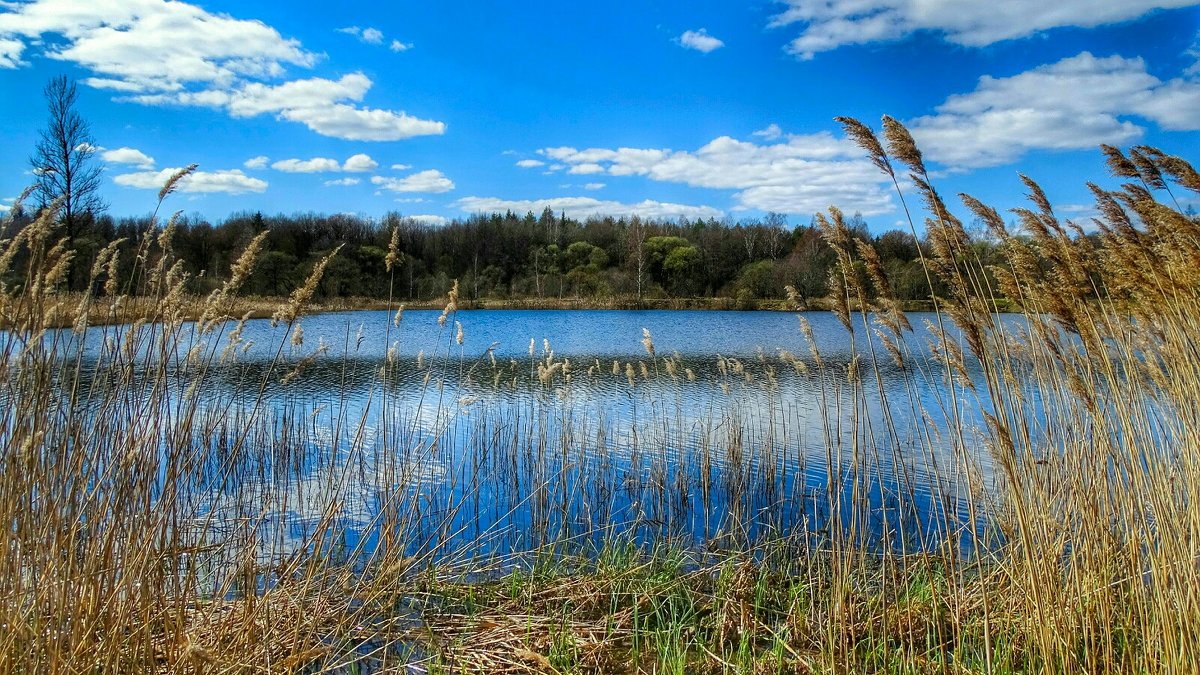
x=776 y=225
x=62 y=160
x=750 y=231
x=636 y=244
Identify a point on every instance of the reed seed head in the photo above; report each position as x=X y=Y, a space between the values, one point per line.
x=862 y=135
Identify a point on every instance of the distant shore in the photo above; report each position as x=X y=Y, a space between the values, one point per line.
x=103 y=311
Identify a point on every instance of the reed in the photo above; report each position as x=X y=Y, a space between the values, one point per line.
x=173 y=505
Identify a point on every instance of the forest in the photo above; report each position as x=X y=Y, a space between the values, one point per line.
x=503 y=256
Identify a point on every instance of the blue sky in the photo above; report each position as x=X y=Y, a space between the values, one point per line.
x=439 y=110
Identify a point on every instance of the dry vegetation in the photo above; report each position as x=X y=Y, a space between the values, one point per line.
x=141 y=516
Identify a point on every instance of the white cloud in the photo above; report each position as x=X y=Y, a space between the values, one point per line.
x=315 y=102
x=401 y=167
x=1193 y=53
x=128 y=156
x=110 y=84
x=157 y=52
x=10 y=53
x=259 y=162
x=586 y=168
x=700 y=41
x=342 y=182
x=314 y=165
x=362 y=124
x=360 y=163
x=1076 y=103
x=804 y=174
x=398 y=46
x=1083 y=215
x=151 y=44
x=828 y=24
x=530 y=163
x=771 y=133
x=430 y=180
x=437 y=221
x=593 y=186
x=369 y=35
x=230 y=181
x=584 y=207
x=1079 y=210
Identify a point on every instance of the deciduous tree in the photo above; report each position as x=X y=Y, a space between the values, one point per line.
x=63 y=160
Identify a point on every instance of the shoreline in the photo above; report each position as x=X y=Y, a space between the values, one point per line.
x=62 y=313
x=103 y=311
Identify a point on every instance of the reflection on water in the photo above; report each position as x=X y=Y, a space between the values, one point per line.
x=542 y=426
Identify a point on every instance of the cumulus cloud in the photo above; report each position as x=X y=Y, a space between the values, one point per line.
x=593 y=186
x=150 y=44
x=586 y=168
x=1076 y=103
x=530 y=163
x=829 y=24
x=584 y=207
x=314 y=165
x=318 y=103
x=803 y=174
x=401 y=167
x=437 y=221
x=430 y=180
x=229 y=181
x=398 y=46
x=699 y=40
x=360 y=163
x=157 y=52
x=259 y=162
x=342 y=182
x=128 y=156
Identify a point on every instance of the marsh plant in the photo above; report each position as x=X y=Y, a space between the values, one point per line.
x=1039 y=517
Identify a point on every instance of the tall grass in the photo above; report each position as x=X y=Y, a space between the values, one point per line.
x=174 y=506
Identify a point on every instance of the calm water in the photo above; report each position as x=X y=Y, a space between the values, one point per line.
x=734 y=430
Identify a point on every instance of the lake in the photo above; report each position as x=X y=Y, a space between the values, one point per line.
x=548 y=427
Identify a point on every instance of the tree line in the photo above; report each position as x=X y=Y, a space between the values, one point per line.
x=503 y=255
